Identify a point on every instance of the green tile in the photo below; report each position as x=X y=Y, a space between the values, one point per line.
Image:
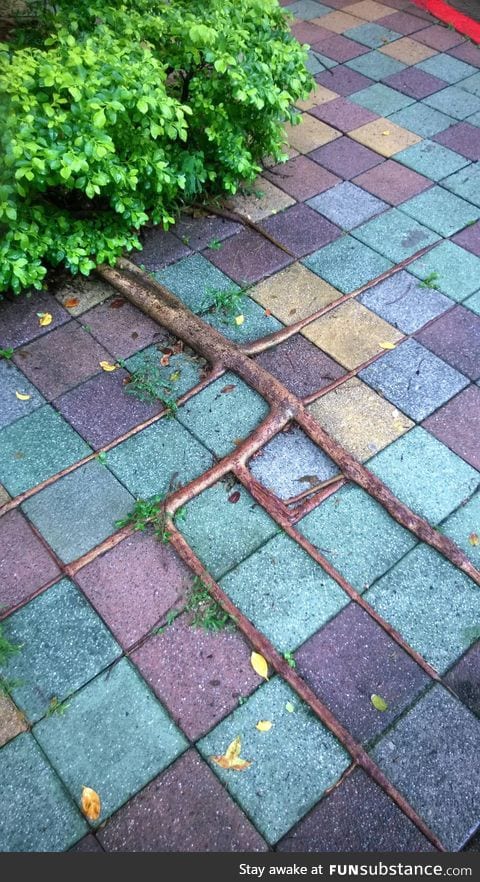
x=63 y=645
x=466 y=183
x=455 y=101
x=36 y=447
x=223 y=529
x=356 y=535
x=114 y=737
x=431 y=159
x=473 y=302
x=425 y=474
x=180 y=375
x=462 y=524
x=157 y=458
x=12 y=381
x=446 y=68
x=80 y=510
x=458 y=271
x=292 y=764
x=395 y=235
x=431 y=603
x=221 y=415
x=381 y=99
x=347 y=264
x=193 y=280
x=255 y=322
x=37 y=814
x=376 y=65
x=284 y=592
x=441 y=211
x=423 y=120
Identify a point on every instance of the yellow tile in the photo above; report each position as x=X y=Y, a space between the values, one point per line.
x=369 y=10
x=85 y=293
x=269 y=161
x=294 y=293
x=4 y=497
x=351 y=333
x=309 y=134
x=257 y=207
x=320 y=95
x=338 y=21
x=384 y=136
x=359 y=419
x=11 y=720
x=408 y=51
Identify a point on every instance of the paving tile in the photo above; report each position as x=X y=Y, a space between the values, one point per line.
x=12 y=721
x=369 y=10
x=78 y=293
x=301 y=229
x=61 y=359
x=11 y=407
x=356 y=816
x=199 y=232
x=455 y=337
x=19 y=323
x=135 y=742
x=188 y=790
x=422 y=119
x=395 y=235
x=339 y=21
x=159 y=249
x=402 y=22
x=457 y=425
x=194 y=280
x=463 y=138
x=305 y=10
x=306 y=32
x=457 y=270
x=346 y=158
x=425 y=475
x=300 y=366
x=36 y=447
x=376 y=65
x=347 y=205
x=256 y=323
x=40 y=816
x=309 y=134
x=430 y=755
x=302 y=178
x=339 y=48
x=392 y=182
x=264 y=200
x=414 y=379
x=447 y=68
x=343 y=80
x=415 y=82
x=347 y=264
x=441 y=211
x=141 y=567
x=385 y=137
x=464 y=679
x=357 y=536
x=122 y=330
x=88 y=844
x=294 y=293
x=467 y=52
x=372 y=34
x=63 y=645
x=460 y=525
x=351 y=334
x=248 y=257
x=455 y=101
x=431 y=159
x=402 y=302
x=381 y=99
x=473 y=303
x=343 y=114
x=439 y=37
x=297 y=748
x=223 y=532
x=469 y=238
x=465 y=183
x=25 y=564
x=79 y=511
x=4 y=496
x=198 y=675
x=319 y=95
x=284 y=593
x=351 y=659
x=317 y=63
x=290 y=462
x=408 y=51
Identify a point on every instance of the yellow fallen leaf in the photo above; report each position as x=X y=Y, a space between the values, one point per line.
x=239 y=319
x=90 y=804
x=174 y=377
x=106 y=366
x=231 y=759
x=399 y=425
x=387 y=345
x=264 y=725
x=290 y=707
x=473 y=539
x=385 y=133
x=379 y=703
x=44 y=319
x=22 y=396
x=259 y=665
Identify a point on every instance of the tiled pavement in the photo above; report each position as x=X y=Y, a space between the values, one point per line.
x=106 y=689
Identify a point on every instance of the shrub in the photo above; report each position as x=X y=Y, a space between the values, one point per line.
x=118 y=112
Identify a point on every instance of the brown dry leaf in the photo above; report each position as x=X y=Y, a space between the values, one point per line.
x=106 y=366
x=264 y=725
x=229 y=388
x=234 y=497
x=387 y=345
x=474 y=539
x=313 y=480
x=90 y=804
x=259 y=665
x=22 y=396
x=231 y=759
x=117 y=303
x=71 y=302
x=44 y=319
x=165 y=360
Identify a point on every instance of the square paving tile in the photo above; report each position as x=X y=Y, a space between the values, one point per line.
x=469 y=238
x=415 y=82
x=301 y=229
x=472 y=84
x=351 y=659
x=343 y=114
x=473 y=303
x=188 y=790
x=309 y=134
x=248 y=257
x=319 y=95
x=181 y=374
x=19 y=322
x=305 y=10
x=457 y=270
x=355 y=533
x=408 y=50
x=395 y=235
x=36 y=447
x=372 y=34
x=306 y=32
x=284 y=592
x=431 y=160
x=464 y=679
x=294 y=293
x=297 y=748
x=466 y=52
x=79 y=293
x=385 y=137
x=264 y=200
x=463 y=138
x=465 y=183
x=194 y=280
x=123 y=330
x=381 y=99
x=376 y=65
x=223 y=525
x=301 y=177
x=140 y=567
x=346 y=158
x=441 y=211
x=457 y=424
x=256 y=322
x=402 y=302
x=347 y=205
x=317 y=63
x=439 y=37
x=290 y=462
x=79 y=511
x=339 y=21
x=25 y=564
x=64 y=644
x=447 y=68
x=347 y=264
x=339 y=48
x=159 y=249
x=392 y=182
x=199 y=232
x=454 y=101
x=300 y=366
x=425 y=475
x=431 y=757
x=12 y=721
x=455 y=337
x=460 y=526
x=351 y=334
x=369 y=10
x=41 y=816
x=343 y=80
x=11 y=407
x=402 y=22
x=135 y=742
x=422 y=119
x=88 y=844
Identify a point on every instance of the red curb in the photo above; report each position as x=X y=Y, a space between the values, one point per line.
x=462 y=23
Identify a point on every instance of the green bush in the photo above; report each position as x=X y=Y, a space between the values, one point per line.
x=118 y=111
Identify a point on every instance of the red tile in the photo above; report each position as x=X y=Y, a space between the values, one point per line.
x=122 y=328
x=392 y=182
x=300 y=229
x=301 y=178
x=455 y=337
x=25 y=564
x=457 y=425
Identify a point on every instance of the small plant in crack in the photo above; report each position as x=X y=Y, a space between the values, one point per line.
x=205 y=611
x=169 y=620
x=430 y=281
x=57 y=708
x=7 y=649
x=6 y=353
x=228 y=303
x=147 y=384
x=288 y=656
x=148 y=513
x=214 y=245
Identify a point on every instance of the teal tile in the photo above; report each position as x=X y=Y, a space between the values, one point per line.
x=458 y=271
x=472 y=84
x=224 y=412
x=431 y=159
x=158 y=458
x=255 y=322
x=475 y=119
x=376 y=65
x=455 y=101
x=441 y=210
x=316 y=62
x=462 y=524
x=37 y=814
x=79 y=511
x=63 y=645
x=431 y=603
x=425 y=474
x=291 y=765
x=179 y=376
x=224 y=525
x=284 y=592
x=11 y=381
x=381 y=99
x=446 y=68
x=395 y=235
x=193 y=280
x=466 y=183
x=356 y=535
x=423 y=120
x=36 y=447
x=347 y=264
x=473 y=302
x=371 y=34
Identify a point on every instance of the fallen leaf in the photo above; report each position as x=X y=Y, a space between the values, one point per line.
x=165 y=360
x=106 y=366
x=22 y=396
x=117 y=303
x=259 y=665
x=174 y=377
x=239 y=319
x=309 y=479
x=90 y=804
x=264 y=725
x=238 y=441
x=473 y=539
x=71 y=302
x=290 y=707
x=385 y=133
x=234 y=497
x=387 y=345
x=379 y=703
x=229 y=388
x=268 y=312
x=44 y=319
x=231 y=758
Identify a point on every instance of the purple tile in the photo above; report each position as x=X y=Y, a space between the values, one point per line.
x=89 y=843
x=401 y=22
x=357 y=816
x=343 y=114
x=457 y=425
x=351 y=659
x=301 y=178
x=184 y=809
x=61 y=359
x=343 y=80
x=198 y=232
x=392 y=182
x=339 y=48
x=134 y=585
x=248 y=257
x=438 y=37
x=415 y=82
x=467 y=52
x=464 y=679
x=455 y=337
x=301 y=229
x=469 y=238
x=462 y=137
x=300 y=366
x=159 y=249
x=346 y=158
x=307 y=32
x=25 y=564
x=19 y=322
x=122 y=328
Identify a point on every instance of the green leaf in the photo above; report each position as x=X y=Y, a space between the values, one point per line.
x=99 y=119
x=379 y=703
x=142 y=105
